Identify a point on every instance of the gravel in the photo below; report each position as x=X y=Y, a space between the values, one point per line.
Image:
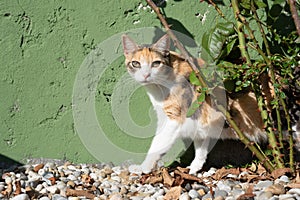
x=67 y=181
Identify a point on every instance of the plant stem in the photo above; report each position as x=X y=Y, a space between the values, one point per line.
x=295 y=15
x=240 y=32
x=268 y=127
x=271 y=135
x=217 y=8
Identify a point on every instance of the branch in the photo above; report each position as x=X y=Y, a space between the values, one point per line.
x=295 y=15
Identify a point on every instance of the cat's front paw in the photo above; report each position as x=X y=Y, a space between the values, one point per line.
x=139 y=169
x=146 y=169
x=195 y=167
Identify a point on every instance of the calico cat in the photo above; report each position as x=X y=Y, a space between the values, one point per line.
x=165 y=75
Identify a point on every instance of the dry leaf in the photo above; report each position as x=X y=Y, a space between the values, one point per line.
x=279 y=172
x=221 y=173
x=154 y=179
x=253 y=167
x=168 y=180
x=173 y=193
x=85 y=178
x=293 y=185
x=76 y=193
x=248 y=194
x=52 y=180
x=38 y=167
x=178 y=181
x=188 y=176
x=183 y=170
x=261 y=170
x=8 y=190
x=18 y=188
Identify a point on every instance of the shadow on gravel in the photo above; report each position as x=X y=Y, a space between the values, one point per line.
x=8 y=164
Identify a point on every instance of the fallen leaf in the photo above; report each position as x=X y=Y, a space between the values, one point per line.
x=168 y=180
x=178 y=181
x=248 y=194
x=38 y=167
x=183 y=170
x=173 y=193
x=8 y=190
x=293 y=185
x=18 y=188
x=76 y=193
x=253 y=167
x=188 y=176
x=52 y=180
x=279 y=172
x=85 y=178
x=221 y=173
x=261 y=170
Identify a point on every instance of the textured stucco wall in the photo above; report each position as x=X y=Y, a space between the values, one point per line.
x=43 y=44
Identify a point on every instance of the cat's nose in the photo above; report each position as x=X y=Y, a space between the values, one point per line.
x=146 y=75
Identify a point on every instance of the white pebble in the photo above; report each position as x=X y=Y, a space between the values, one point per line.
x=39 y=187
x=32 y=176
x=8 y=180
x=72 y=177
x=116 y=197
x=72 y=167
x=116 y=178
x=294 y=191
x=193 y=194
x=52 y=189
x=21 y=197
x=284 y=179
x=41 y=172
x=184 y=196
x=44 y=198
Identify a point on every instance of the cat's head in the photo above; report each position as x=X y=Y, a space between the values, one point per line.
x=147 y=63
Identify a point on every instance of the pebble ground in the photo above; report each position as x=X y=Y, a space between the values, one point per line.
x=66 y=181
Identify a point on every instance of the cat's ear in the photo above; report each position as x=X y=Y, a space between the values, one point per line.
x=129 y=46
x=163 y=44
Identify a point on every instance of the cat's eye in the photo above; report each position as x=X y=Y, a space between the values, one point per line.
x=156 y=63
x=135 y=64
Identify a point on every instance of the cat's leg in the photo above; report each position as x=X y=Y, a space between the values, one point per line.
x=201 y=151
x=161 y=143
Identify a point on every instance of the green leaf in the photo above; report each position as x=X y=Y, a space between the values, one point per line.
x=196 y=104
x=213 y=41
x=230 y=46
x=194 y=80
x=246 y=4
x=264 y=114
x=201 y=98
x=260 y=4
x=192 y=109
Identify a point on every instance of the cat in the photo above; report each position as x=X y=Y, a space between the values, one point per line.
x=165 y=76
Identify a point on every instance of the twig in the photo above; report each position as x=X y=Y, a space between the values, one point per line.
x=241 y=35
x=217 y=8
x=177 y=43
x=295 y=15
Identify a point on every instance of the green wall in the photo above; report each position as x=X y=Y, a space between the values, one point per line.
x=44 y=44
